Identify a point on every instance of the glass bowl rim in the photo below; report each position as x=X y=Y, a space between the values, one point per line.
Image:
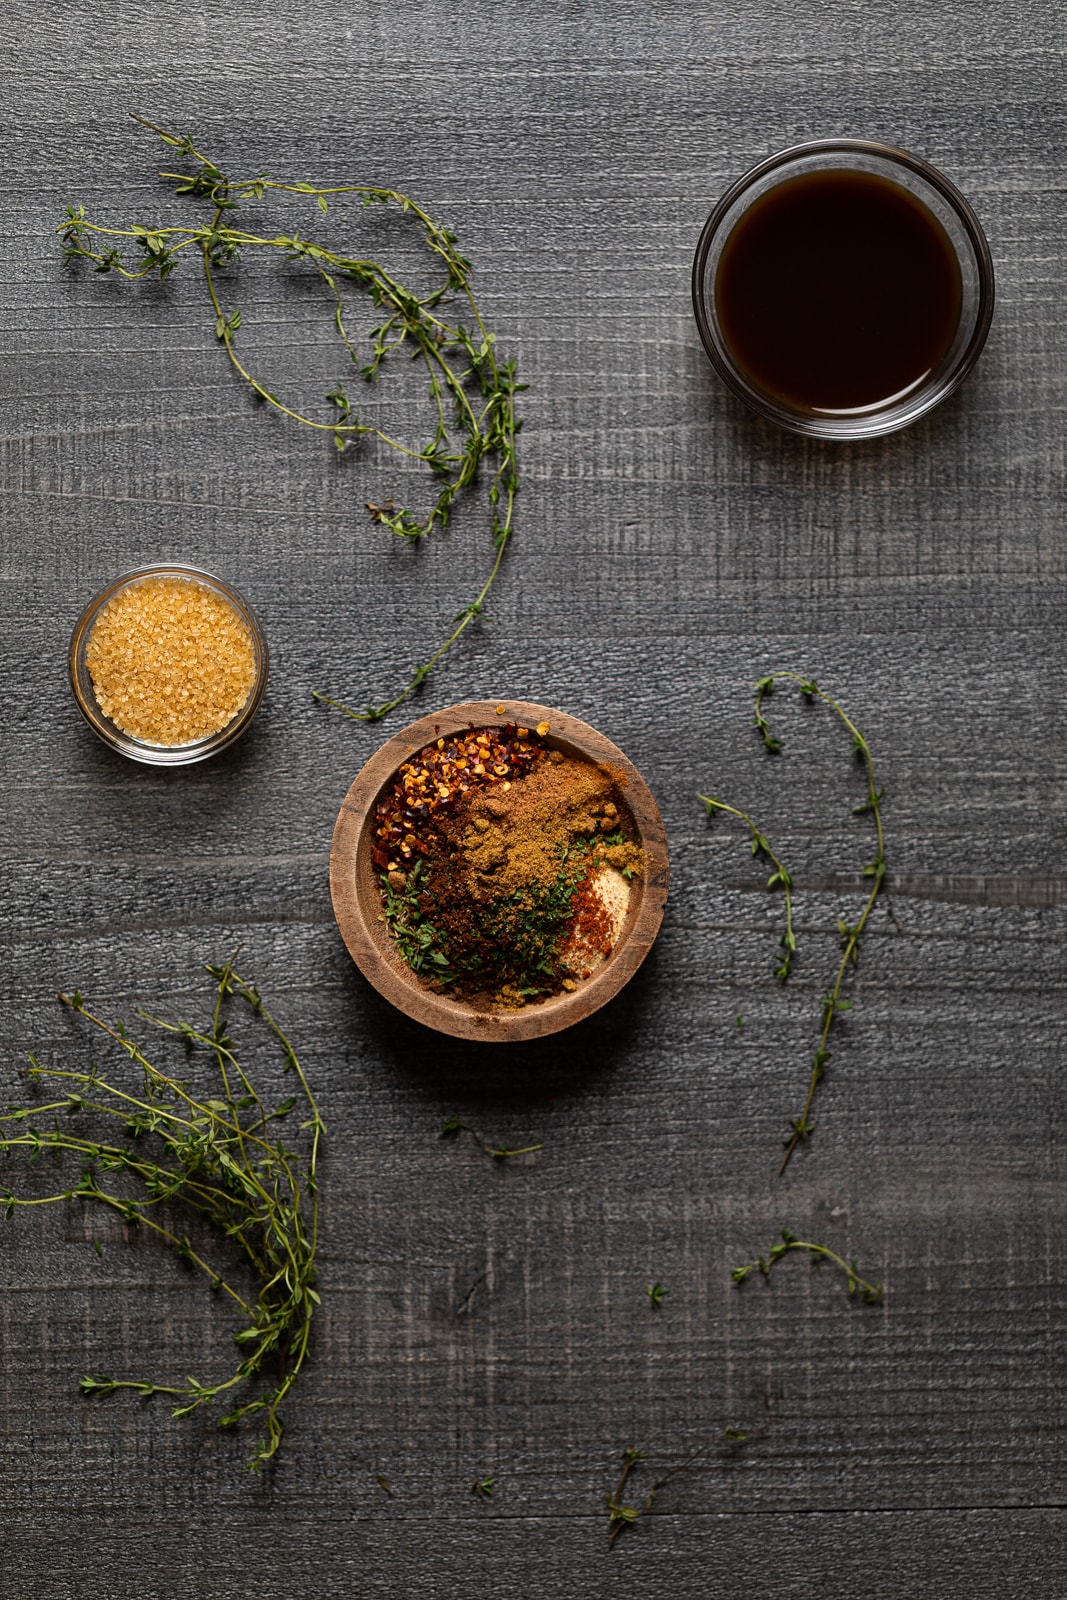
x=873 y=424
x=139 y=749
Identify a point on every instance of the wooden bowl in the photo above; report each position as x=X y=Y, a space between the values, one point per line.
x=357 y=902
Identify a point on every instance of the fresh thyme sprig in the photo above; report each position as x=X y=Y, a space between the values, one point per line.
x=872 y=1293
x=454 y=1126
x=831 y=1004
x=220 y=1159
x=622 y=1516
x=465 y=375
x=780 y=878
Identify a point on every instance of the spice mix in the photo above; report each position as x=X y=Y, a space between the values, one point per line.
x=505 y=865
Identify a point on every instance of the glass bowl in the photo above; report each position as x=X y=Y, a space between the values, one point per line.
x=924 y=184
x=138 y=749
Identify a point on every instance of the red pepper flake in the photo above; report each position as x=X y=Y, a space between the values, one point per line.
x=435 y=778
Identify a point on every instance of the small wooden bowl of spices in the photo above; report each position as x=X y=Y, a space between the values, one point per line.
x=499 y=870
x=168 y=665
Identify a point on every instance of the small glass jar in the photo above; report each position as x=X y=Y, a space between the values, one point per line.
x=147 y=750
x=925 y=185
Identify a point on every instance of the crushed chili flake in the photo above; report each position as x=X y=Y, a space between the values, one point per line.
x=434 y=780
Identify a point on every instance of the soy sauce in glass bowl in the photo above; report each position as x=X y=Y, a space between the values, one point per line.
x=843 y=288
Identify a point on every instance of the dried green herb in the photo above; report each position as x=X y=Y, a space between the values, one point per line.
x=514 y=940
x=420 y=939
x=779 y=879
x=655 y=1292
x=482 y=1488
x=873 y=1293
x=471 y=389
x=453 y=1126
x=832 y=1004
x=220 y=1158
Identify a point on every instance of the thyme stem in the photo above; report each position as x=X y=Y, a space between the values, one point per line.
x=832 y=1004
x=459 y=362
x=850 y=936
x=873 y=1293
x=779 y=878
x=221 y=1164
x=454 y=1126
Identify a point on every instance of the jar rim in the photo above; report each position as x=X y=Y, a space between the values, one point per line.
x=890 y=417
x=127 y=744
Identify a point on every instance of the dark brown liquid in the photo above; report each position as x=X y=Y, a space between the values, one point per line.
x=837 y=291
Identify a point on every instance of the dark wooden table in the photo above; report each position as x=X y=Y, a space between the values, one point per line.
x=492 y=1319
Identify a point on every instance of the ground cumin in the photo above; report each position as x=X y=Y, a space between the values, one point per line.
x=512 y=881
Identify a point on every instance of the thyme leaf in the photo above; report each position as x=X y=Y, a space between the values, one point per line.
x=779 y=878
x=217 y=1158
x=873 y=1293
x=833 y=1004
x=453 y=1126
x=472 y=389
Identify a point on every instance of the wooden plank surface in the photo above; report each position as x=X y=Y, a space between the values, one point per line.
x=481 y=1318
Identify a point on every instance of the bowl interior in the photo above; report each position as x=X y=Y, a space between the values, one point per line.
x=355 y=887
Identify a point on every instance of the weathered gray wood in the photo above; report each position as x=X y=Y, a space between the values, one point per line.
x=492 y=1319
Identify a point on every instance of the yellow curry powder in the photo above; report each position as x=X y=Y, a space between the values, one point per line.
x=170 y=661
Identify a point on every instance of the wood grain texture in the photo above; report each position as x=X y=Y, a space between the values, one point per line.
x=483 y=1318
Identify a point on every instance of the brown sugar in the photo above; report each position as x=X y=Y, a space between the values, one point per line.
x=170 y=660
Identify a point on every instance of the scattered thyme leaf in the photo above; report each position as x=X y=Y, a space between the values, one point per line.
x=454 y=1126
x=623 y=1516
x=872 y=1293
